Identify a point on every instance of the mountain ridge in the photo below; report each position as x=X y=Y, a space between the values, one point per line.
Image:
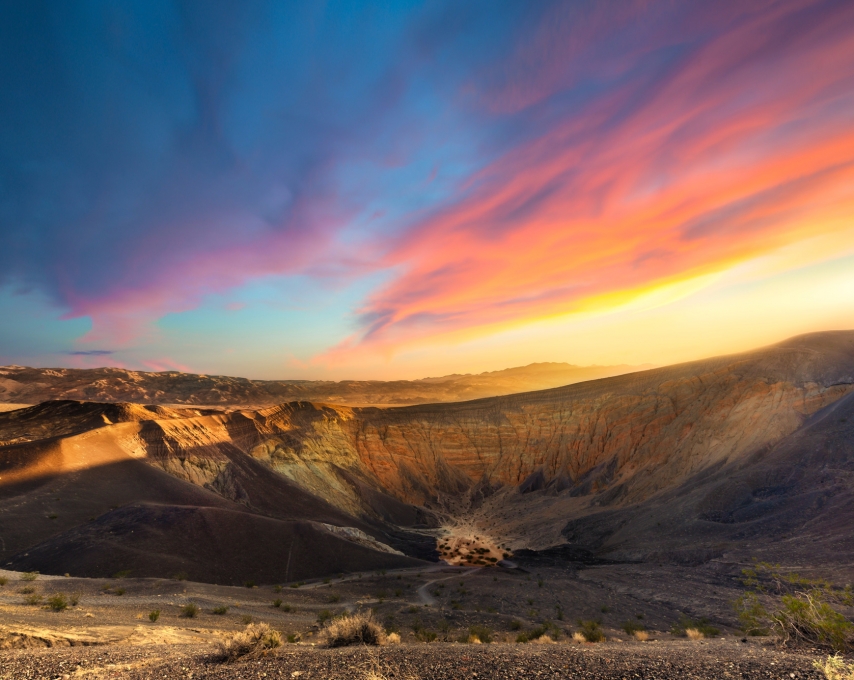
x=20 y=384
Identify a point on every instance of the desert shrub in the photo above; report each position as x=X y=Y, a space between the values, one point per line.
x=246 y=619
x=425 y=635
x=797 y=610
x=277 y=602
x=33 y=599
x=483 y=633
x=3 y=580
x=74 y=599
x=180 y=576
x=250 y=584
x=154 y=615
x=641 y=635
x=701 y=626
x=515 y=625
x=189 y=610
x=835 y=668
x=591 y=630
x=356 y=629
x=543 y=640
x=257 y=639
x=220 y=611
x=293 y=638
x=323 y=616
x=29 y=576
x=578 y=637
x=119 y=591
x=26 y=590
x=538 y=632
x=604 y=609
x=334 y=597
x=631 y=627
x=57 y=602
x=393 y=639
x=122 y=574
x=694 y=634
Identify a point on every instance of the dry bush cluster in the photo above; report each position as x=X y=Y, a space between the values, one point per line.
x=356 y=629
x=257 y=639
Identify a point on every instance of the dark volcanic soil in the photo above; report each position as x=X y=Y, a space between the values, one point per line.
x=667 y=660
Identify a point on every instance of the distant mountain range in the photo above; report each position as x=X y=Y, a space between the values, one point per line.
x=24 y=385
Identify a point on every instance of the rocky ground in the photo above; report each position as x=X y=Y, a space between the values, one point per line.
x=664 y=660
x=106 y=632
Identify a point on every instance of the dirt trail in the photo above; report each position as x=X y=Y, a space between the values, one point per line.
x=425 y=596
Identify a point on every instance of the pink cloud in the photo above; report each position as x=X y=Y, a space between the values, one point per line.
x=743 y=146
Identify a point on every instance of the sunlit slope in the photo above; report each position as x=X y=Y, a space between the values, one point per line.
x=87 y=502
x=617 y=440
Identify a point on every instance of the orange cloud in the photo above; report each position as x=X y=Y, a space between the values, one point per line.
x=743 y=146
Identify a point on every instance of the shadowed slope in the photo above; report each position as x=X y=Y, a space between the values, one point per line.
x=791 y=502
x=208 y=544
x=72 y=494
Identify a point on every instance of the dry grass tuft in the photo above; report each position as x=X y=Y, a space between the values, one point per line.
x=544 y=640
x=474 y=640
x=257 y=639
x=393 y=639
x=641 y=635
x=357 y=629
x=694 y=634
x=578 y=637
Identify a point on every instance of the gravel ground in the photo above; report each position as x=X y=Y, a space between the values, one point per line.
x=666 y=660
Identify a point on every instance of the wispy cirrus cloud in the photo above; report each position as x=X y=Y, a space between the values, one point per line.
x=91 y=353
x=715 y=142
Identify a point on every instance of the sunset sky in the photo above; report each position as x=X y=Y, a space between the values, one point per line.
x=402 y=189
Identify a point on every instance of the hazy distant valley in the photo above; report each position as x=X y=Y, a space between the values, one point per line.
x=21 y=385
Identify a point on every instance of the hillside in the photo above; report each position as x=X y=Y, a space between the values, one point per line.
x=681 y=464
x=23 y=385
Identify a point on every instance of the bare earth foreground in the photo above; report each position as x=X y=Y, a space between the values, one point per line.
x=108 y=633
x=710 y=660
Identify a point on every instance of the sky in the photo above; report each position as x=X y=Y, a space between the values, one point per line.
x=395 y=189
